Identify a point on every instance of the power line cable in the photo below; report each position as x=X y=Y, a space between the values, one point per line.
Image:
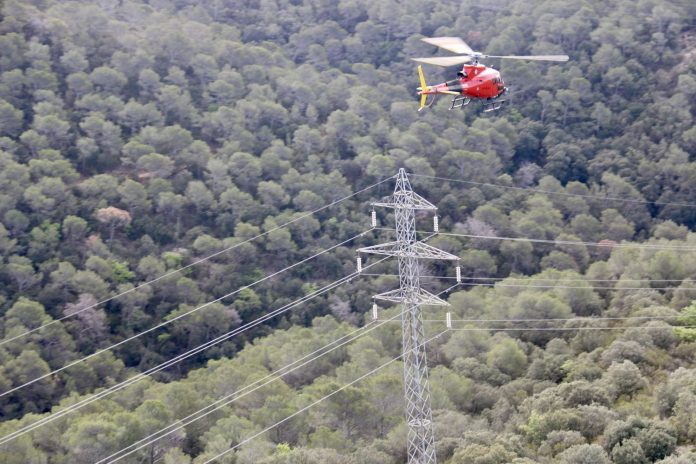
x=184 y=314
x=383 y=322
x=226 y=399
x=551 y=192
x=565 y=279
x=398 y=357
x=541 y=279
x=579 y=319
x=149 y=372
x=242 y=392
x=568 y=287
x=248 y=439
x=500 y=284
x=647 y=246
x=565 y=319
x=180 y=357
x=563 y=329
x=305 y=408
x=198 y=261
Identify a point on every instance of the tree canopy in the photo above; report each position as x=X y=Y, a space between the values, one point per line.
x=138 y=138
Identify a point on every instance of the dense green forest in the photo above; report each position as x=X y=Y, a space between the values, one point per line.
x=138 y=137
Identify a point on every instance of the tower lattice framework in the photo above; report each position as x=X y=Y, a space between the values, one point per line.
x=408 y=250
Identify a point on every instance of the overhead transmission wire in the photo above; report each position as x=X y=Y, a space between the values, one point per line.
x=204 y=346
x=194 y=263
x=551 y=192
x=179 y=316
x=564 y=319
x=562 y=329
x=244 y=391
x=576 y=318
x=314 y=403
x=543 y=279
x=227 y=399
x=579 y=328
x=648 y=246
x=569 y=287
x=501 y=284
x=459 y=329
x=149 y=372
x=362 y=377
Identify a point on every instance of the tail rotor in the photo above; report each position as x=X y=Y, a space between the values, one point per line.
x=423 y=90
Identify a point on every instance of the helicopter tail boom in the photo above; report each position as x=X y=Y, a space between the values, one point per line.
x=424 y=90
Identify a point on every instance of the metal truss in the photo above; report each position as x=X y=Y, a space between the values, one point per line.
x=408 y=250
x=417 y=250
x=423 y=297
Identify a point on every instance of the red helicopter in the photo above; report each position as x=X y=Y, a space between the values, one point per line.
x=475 y=81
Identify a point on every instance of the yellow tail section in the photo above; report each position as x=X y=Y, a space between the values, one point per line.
x=423 y=87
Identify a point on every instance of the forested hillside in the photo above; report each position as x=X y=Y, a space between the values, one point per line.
x=158 y=159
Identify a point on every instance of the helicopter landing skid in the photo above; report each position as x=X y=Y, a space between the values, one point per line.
x=459 y=102
x=493 y=106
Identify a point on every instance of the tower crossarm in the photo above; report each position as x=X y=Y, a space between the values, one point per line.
x=403 y=199
x=418 y=250
x=419 y=297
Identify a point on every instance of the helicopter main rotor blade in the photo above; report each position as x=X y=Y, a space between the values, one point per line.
x=452 y=44
x=532 y=57
x=444 y=60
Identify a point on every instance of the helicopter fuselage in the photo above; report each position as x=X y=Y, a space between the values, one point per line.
x=474 y=81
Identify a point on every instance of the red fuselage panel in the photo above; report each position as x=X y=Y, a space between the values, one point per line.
x=476 y=81
x=481 y=83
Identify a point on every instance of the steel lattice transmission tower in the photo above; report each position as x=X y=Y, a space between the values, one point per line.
x=408 y=250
